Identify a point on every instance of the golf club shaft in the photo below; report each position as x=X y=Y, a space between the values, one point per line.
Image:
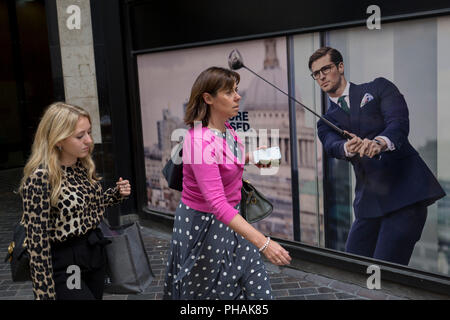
x=338 y=130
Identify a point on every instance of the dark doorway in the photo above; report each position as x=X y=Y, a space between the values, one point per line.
x=26 y=86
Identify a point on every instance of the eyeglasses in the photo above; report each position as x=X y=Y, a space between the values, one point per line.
x=325 y=70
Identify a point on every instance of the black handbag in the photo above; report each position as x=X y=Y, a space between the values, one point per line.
x=174 y=172
x=254 y=206
x=18 y=255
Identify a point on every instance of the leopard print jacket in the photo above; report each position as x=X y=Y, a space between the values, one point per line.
x=80 y=208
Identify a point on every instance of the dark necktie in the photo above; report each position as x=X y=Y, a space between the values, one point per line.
x=343 y=104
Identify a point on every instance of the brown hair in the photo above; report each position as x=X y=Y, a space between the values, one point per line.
x=335 y=56
x=210 y=81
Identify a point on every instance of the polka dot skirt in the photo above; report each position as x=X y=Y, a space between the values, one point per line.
x=208 y=260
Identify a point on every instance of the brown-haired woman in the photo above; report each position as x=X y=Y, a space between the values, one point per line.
x=215 y=252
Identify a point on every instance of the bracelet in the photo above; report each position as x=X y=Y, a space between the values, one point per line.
x=265 y=245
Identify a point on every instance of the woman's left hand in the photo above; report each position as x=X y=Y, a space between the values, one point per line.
x=124 y=187
x=260 y=165
x=249 y=159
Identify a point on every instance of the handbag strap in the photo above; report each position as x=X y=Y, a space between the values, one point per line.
x=232 y=132
x=231 y=129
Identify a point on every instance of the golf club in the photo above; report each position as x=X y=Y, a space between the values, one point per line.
x=236 y=62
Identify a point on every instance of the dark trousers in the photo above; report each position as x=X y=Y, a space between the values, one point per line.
x=87 y=254
x=391 y=237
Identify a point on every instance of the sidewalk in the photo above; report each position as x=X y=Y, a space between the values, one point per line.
x=286 y=283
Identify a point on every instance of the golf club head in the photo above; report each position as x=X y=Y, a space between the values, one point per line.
x=235 y=60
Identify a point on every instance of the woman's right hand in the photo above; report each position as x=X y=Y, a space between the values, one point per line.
x=277 y=254
x=274 y=252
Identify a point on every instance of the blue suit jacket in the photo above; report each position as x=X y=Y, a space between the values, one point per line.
x=399 y=178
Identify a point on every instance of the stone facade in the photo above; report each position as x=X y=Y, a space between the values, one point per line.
x=77 y=58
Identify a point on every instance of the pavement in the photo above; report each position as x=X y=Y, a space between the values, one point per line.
x=287 y=283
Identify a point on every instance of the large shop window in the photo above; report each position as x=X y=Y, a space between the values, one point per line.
x=165 y=81
x=413 y=54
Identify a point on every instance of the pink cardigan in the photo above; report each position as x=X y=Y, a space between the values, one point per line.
x=212 y=175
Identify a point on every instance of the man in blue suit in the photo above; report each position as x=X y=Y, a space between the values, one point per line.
x=394 y=186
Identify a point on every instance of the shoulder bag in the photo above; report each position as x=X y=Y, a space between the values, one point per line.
x=18 y=255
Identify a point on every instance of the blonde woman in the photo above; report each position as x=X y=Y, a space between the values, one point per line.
x=63 y=203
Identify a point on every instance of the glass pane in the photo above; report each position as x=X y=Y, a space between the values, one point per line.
x=36 y=65
x=165 y=81
x=414 y=57
x=443 y=145
x=26 y=86
x=10 y=126
x=309 y=151
x=268 y=114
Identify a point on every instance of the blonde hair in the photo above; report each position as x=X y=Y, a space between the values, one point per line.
x=58 y=123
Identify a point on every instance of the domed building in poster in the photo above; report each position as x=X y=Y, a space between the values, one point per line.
x=268 y=109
